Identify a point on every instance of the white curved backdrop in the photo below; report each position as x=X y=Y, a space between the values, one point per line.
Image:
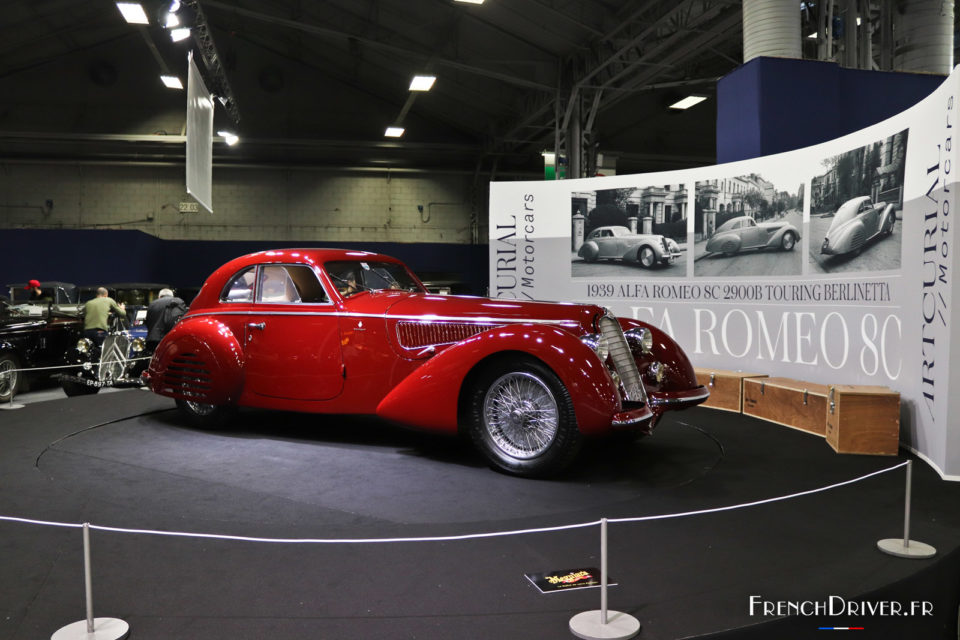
x=878 y=314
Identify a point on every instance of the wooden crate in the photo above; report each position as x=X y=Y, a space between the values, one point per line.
x=792 y=403
x=863 y=419
x=726 y=387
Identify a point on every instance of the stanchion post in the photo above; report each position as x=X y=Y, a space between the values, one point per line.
x=13 y=390
x=91 y=628
x=906 y=548
x=603 y=624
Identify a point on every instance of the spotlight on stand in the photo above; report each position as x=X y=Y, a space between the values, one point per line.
x=177 y=21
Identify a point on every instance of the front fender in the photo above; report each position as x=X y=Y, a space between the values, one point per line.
x=889 y=213
x=679 y=375
x=429 y=397
x=200 y=360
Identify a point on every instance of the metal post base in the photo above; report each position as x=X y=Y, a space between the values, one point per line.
x=103 y=629
x=589 y=625
x=896 y=547
x=10 y=405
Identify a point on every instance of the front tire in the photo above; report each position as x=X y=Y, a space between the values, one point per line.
x=522 y=420
x=73 y=389
x=206 y=416
x=646 y=257
x=10 y=379
x=789 y=241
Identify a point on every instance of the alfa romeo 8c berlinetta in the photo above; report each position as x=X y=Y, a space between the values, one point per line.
x=351 y=332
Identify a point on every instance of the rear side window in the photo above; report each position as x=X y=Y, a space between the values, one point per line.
x=240 y=289
x=290 y=284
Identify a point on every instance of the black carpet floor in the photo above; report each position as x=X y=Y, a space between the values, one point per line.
x=126 y=460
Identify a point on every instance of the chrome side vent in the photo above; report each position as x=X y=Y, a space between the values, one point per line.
x=416 y=335
x=187 y=375
x=622 y=358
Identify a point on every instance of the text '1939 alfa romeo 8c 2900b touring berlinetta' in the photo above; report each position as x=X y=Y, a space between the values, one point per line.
x=351 y=332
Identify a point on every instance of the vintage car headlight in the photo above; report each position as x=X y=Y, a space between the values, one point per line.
x=672 y=245
x=84 y=345
x=598 y=343
x=640 y=338
x=138 y=345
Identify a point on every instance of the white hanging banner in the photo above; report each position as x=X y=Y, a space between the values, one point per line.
x=830 y=264
x=199 y=138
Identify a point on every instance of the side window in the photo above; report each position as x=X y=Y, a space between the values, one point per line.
x=289 y=284
x=240 y=289
x=308 y=286
x=737 y=224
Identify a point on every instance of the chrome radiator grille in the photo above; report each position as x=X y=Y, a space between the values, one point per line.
x=622 y=359
x=415 y=335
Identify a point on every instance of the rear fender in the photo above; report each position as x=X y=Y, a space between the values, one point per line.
x=430 y=396
x=201 y=360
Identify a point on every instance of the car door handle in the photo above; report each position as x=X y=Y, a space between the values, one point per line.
x=257 y=325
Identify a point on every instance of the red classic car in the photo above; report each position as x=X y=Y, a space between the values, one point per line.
x=334 y=331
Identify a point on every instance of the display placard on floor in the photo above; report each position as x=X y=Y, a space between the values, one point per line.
x=566 y=579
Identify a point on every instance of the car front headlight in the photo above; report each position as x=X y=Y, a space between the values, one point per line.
x=598 y=344
x=640 y=338
x=84 y=345
x=672 y=245
x=138 y=345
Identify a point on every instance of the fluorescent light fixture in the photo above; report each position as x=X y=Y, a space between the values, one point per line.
x=172 y=21
x=393 y=132
x=422 y=83
x=172 y=82
x=470 y=1
x=133 y=12
x=688 y=102
x=180 y=34
x=230 y=138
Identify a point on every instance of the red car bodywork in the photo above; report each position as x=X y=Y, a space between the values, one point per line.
x=407 y=356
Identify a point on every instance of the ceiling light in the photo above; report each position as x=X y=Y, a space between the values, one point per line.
x=172 y=21
x=393 y=132
x=172 y=82
x=133 y=12
x=230 y=138
x=174 y=6
x=688 y=102
x=422 y=83
x=179 y=34
x=470 y=1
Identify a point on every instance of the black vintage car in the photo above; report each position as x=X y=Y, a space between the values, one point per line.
x=36 y=334
x=122 y=357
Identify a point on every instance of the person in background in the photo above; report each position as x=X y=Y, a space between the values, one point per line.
x=162 y=314
x=96 y=313
x=36 y=293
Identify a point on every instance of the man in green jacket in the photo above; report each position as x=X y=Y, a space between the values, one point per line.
x=96 y=313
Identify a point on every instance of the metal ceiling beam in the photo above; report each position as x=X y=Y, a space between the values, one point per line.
x=341 y=35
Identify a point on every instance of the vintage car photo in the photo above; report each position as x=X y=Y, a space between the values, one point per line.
x=614 y=231
x=749 y=225
x=856 y=223
x=743 y=233
x=855 y=205
x=351 y=332
x=619 y=243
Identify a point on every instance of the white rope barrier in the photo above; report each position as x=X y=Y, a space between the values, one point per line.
x=69 y=366
x=469 y=536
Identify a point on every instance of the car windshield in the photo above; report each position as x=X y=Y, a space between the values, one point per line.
x=354 y=276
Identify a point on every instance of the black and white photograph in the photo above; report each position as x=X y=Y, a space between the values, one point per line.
x=629 y=232
x=749 y=225
x=855 y=205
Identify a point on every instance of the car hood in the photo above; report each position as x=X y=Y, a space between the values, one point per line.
x=395 y=305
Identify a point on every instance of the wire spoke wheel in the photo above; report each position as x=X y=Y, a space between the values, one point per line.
x=8 y=377
x=521 y=415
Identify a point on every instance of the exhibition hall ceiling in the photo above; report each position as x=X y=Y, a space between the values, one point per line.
x=317 y=83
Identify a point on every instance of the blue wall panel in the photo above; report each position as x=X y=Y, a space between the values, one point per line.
x=772 y=105
x=94 y=257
